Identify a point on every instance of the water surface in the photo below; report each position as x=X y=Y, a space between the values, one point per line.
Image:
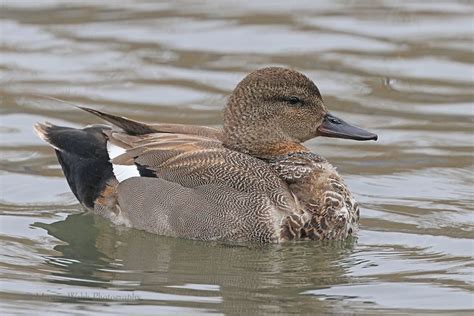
x=402 y=69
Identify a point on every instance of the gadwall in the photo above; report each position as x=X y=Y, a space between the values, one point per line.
x=252 y=180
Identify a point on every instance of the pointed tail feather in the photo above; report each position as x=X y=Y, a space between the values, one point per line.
x=135 y=128
x=130 y=126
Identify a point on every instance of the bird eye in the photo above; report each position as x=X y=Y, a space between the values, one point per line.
x=294 y=100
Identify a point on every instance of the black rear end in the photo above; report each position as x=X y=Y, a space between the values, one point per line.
x=83 y=156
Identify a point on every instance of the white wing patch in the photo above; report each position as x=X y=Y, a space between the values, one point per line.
x=121 y=172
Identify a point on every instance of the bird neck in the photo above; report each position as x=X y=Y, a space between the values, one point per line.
x=259 y=143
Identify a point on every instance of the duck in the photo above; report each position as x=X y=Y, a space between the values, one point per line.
x=251 y=180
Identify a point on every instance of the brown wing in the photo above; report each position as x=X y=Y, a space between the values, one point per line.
x=194 y=187
x=194 y=160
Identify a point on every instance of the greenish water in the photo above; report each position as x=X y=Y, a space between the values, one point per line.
x=402 y=69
